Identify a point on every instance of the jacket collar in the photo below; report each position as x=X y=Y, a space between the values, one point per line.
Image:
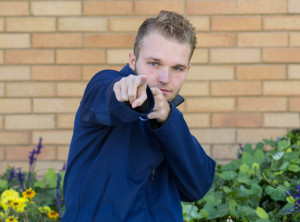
x=126 y=70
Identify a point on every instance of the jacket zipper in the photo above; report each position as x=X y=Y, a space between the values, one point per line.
x=101 y=199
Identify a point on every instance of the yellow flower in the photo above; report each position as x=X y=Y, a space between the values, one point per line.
x=7 y=197
x=45 y=209
x=11 y=219
x=53 y=214
x=29 y=193
x=21 y=204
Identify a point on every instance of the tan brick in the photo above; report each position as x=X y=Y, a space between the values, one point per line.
x=56 y=73
x=227 y=152
x=2 y=150
x=71 y=89
x=262 y=39
x=23 y=89
x=195 y=89
x=21 y=153
x=154 y=7
x=47 y=8
x=281 y=23
x=236 y=88
x=108 y=8
x=14 y=8
x=29 y=122
x=84 y=24
x=211 y=7
x=236 y=23
x=294 y=104
x=293 y=6
x=261 y=6
x=8 y=73
x=294 y=39
x=56 y=40
x=200 y=56
x=294 y=72
x=260 y=72
x=90 y=71
x=2 y=87
x=1 y=127
x=55 y=105
x=14 y=41
x=281 y=55
x=60 y=137
x=210 y=104
x=261 y=104
x=214 y=136
x=117 y=56
x=62 y=152
x=201 y=72
x=80 y=56
x=288 y=120
x=257 y=135
x=126 y=24
x=14 y=137
x=109 y=40
x=1 y=57
x=29 y=57
x=216 y=40
x=235 y=55
x=15 y=106
x=65 y=121
x=30 y=24
x=201 y=23
x=196 y=120
x=281 y=88
x=236 y=120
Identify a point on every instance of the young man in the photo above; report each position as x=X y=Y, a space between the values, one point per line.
x=132 y=157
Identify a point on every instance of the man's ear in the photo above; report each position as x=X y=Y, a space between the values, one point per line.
x=189 y=66
x=132 y=61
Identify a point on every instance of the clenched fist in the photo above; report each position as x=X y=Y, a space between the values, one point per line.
x=161 y=110
x=131 y=89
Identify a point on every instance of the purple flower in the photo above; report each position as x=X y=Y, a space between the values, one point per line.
x=12 y=174
x=58 y=200
x=32 y=157
x=64 y=167
x=21 y=177
x=39 y=146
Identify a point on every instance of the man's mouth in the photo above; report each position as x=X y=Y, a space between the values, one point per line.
x=164 y=91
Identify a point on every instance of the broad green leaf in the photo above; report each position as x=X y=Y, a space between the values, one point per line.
x=228 y=175
x=275 y=194
x=294 y=168
x=259 y=146
x=290 y=199
x=256 y=189
x=244 y=168
x=233 y=206
x=51 y=178
x=248 y=148
x=261 y=213
x=3 y=184
x=203 y=214
x=284 y=165
x=259 y=156
x=278 y=155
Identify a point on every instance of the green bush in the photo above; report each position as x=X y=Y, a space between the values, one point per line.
x=262 y=185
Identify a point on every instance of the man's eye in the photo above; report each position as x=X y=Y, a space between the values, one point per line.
x=177 y=69
x=153 y=63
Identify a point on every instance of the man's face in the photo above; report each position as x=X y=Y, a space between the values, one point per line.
x=164 y=61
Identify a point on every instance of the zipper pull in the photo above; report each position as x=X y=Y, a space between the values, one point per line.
x=153 y=172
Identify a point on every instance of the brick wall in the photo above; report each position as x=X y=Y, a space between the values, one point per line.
x=244 y=84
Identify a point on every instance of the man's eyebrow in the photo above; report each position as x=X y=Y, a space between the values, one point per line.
x=152 y=58
x=158 y=60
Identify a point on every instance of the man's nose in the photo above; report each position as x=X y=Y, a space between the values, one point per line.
x=164 y=76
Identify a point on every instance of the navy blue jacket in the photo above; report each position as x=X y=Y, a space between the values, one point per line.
x=122 y=167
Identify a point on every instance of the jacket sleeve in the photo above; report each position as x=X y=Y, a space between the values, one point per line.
x=99 y=105
x=192 y=168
